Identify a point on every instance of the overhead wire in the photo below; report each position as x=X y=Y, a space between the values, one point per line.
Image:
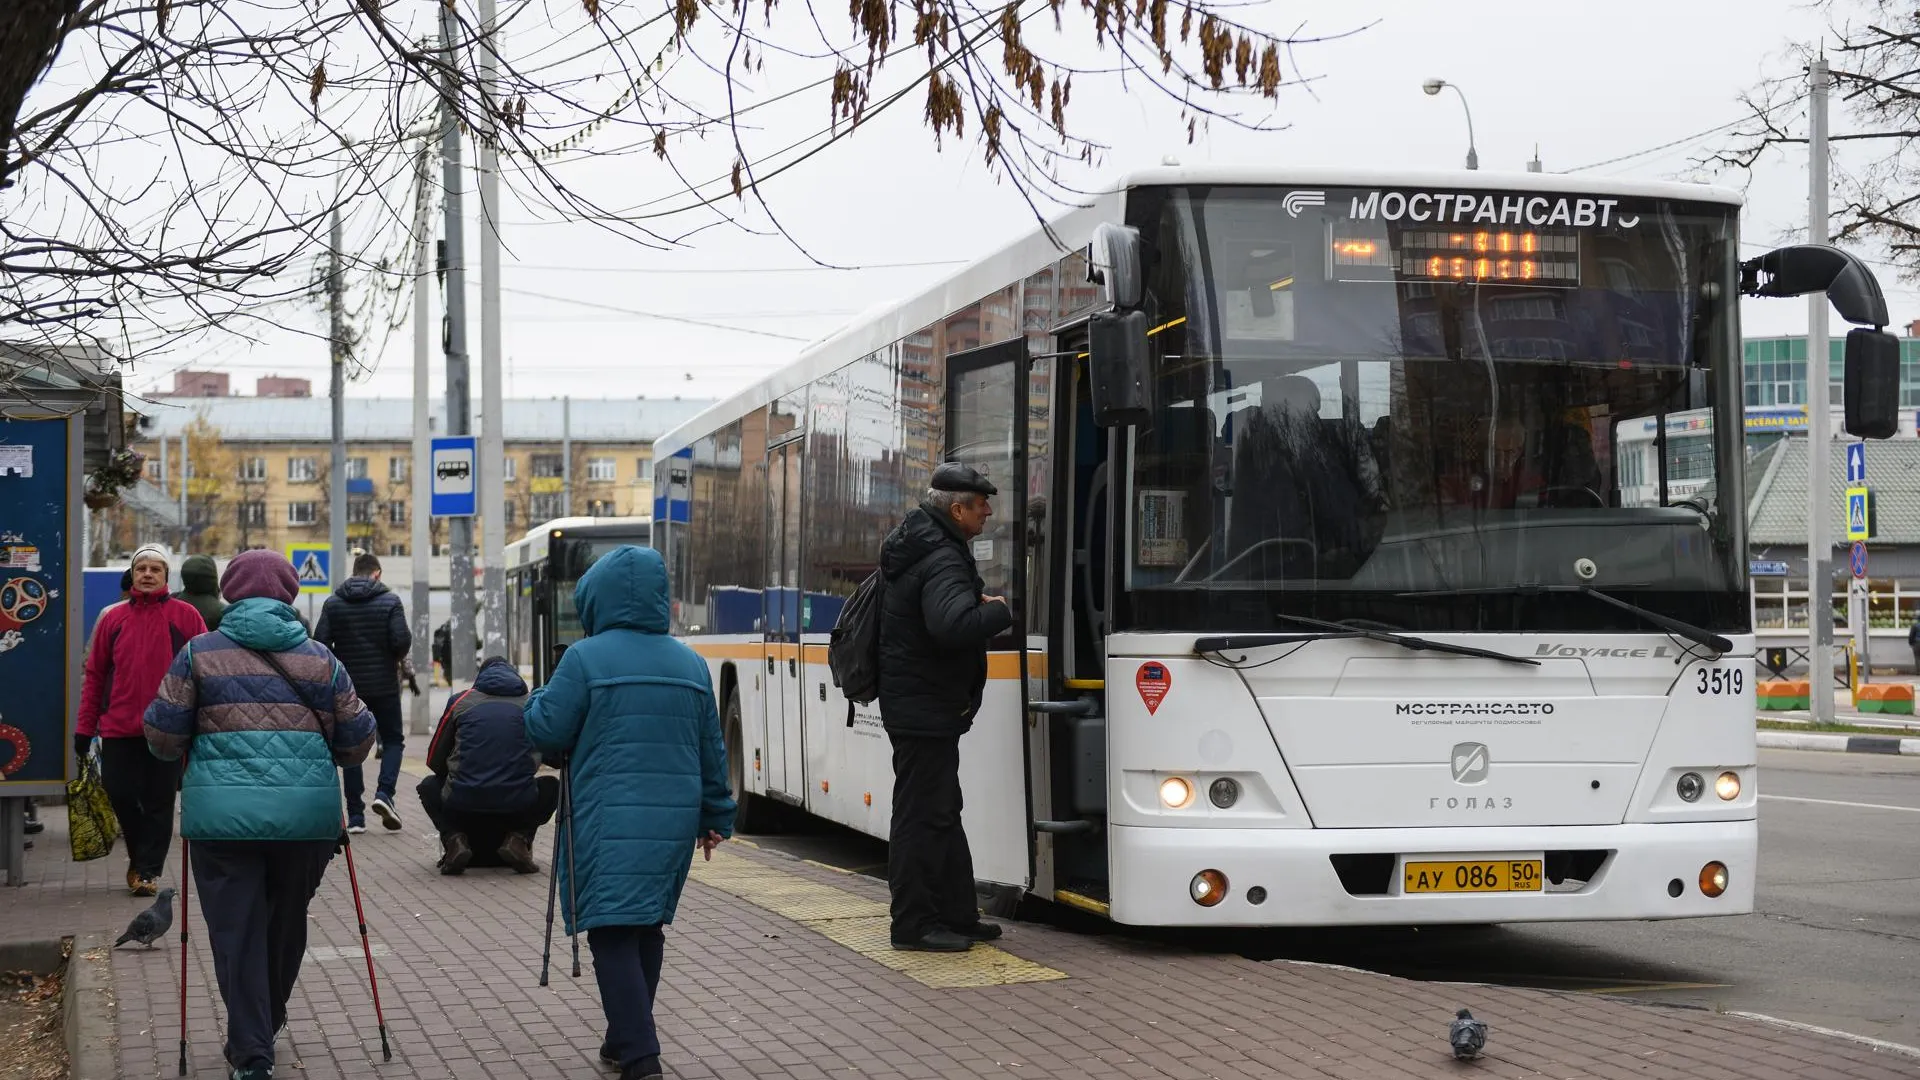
x=1695 y=137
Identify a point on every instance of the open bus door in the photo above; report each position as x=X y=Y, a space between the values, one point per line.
x=987 y=401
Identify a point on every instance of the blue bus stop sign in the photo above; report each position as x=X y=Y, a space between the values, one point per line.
x=455 y=476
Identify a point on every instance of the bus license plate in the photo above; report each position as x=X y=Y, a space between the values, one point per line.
x=1516 y=875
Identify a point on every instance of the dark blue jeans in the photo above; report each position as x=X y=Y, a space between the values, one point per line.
x=626 y=963
x=387 y=718
x=253 y=895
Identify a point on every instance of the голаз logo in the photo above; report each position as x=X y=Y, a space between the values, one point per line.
x=1297 y=201
x=1469 y=763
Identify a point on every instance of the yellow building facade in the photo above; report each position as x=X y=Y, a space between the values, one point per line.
x=257 y=470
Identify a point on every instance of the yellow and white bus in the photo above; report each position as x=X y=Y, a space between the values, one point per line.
x=1330 y=610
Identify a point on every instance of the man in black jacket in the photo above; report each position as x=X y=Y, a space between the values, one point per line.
x=935 y=624
x=483 y=795
x=366 y=627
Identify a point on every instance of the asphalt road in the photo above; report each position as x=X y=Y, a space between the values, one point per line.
x=1835 y=939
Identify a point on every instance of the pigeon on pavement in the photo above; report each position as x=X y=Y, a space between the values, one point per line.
x=1468 y=1036
x=147 y=926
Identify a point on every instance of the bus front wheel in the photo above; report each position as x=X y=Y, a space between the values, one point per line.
x=750 y=811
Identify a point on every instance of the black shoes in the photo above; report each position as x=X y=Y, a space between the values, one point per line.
x=456 y=853
x=517 y=852
x=647 y=1068
x=980 y=931
x=937 y=940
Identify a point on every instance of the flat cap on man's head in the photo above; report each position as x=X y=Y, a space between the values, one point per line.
x=954 y=476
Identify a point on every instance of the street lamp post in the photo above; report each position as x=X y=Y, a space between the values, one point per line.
x=1434 y=86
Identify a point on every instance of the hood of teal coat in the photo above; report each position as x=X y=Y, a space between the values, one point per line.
x=625 y=589
x=262 y=623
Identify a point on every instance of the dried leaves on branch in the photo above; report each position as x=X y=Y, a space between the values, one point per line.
x=1873 y=53
x=172 y=166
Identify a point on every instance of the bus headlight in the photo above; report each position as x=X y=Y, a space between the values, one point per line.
x=1690 y=787
x=1175 y=792
x=1208 y=887
x=1224 y=792
x=1727 y=786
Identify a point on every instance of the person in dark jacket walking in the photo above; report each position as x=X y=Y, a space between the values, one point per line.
x=484 y=796
x=266 y=717
x=633 y=710
x=133 y=643
x=935 y=624
x=365 y=625
x=200 y=586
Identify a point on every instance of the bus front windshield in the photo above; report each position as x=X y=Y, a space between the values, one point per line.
x=1436 y=410
x=568 y=559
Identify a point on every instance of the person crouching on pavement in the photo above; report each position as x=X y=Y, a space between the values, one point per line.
x=633 y=712
x=483 y=795
x=132 y=645
x=266 y=718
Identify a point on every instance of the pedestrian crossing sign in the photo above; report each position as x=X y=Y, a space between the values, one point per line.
x=1859 y=515
x=312 y=564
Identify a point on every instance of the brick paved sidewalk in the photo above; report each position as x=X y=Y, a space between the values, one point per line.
x=750 y=993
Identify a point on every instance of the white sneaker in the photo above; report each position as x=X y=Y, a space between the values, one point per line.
x=384 y=809
x=356 y=827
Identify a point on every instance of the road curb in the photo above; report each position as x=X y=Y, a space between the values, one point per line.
x=1850 y=744
x=92 y=1050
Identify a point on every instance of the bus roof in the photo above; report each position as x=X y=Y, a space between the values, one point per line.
x=885 y=323
x=533 y=546
x=546 y=528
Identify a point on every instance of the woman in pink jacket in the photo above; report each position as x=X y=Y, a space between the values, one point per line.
x=133 y=644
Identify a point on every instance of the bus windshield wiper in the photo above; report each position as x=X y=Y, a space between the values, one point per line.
x=1341 y=630
x=1697 y=634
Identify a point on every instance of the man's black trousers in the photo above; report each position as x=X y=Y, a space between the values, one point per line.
x=485 y=832
x=929 y=867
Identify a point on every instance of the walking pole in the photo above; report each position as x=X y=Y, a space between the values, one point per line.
x=573 y=907
x=186 y=877
x=553 y=890
x=373 y=982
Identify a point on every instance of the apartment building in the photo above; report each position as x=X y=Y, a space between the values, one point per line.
x=256 y=469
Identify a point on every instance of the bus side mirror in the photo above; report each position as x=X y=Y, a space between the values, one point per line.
x=1872 y=384
x=1118 y=368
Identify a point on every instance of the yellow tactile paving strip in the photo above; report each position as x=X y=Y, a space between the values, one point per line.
x=861 y=924
x=851 y=920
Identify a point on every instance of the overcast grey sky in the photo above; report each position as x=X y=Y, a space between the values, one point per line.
x=1586 y=82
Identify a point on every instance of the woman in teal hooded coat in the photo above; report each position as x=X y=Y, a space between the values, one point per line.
x=632 y=711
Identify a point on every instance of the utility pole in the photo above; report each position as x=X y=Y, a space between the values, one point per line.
x=493 y=499
x=337 y=391
x=421 y=477
x=459 y=409
x=1819 y=418
x=566 y=457
x=166 y=481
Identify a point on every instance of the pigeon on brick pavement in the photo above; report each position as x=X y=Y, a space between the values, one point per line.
x=1467 y=1035
x=147 y=926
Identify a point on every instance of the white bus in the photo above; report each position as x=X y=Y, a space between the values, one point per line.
x=1330 y=609
x=542 y=568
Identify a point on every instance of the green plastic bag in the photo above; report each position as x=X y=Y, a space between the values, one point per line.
x=91 y=826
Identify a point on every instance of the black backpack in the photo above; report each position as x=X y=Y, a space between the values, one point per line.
x=853 y=652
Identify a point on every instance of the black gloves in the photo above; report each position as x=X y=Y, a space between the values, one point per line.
x=80 y=744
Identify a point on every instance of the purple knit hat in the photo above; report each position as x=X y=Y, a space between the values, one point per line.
x=259 y=573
